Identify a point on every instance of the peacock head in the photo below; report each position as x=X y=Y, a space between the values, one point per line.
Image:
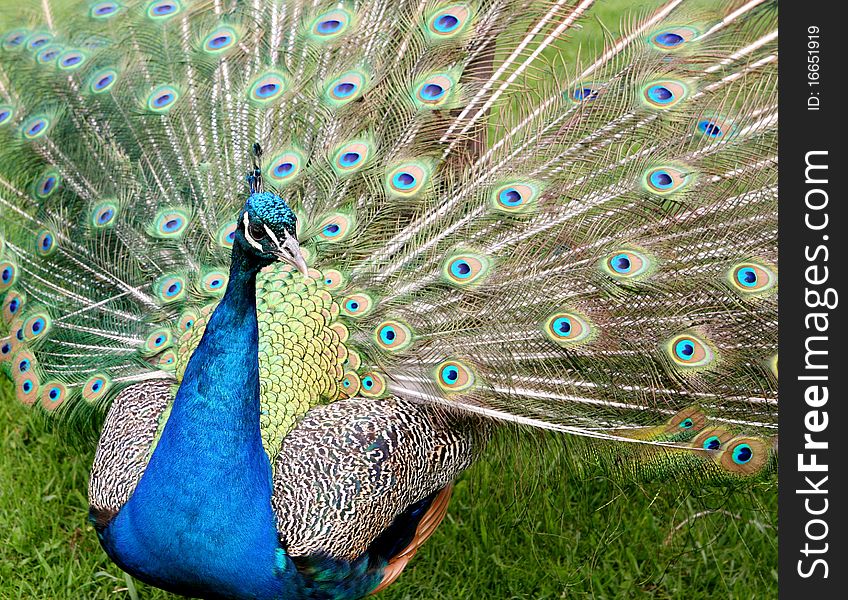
x=266 y=230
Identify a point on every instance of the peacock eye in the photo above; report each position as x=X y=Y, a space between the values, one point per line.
x=256 y=231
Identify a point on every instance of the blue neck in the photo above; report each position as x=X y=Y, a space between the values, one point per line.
x=200 y=519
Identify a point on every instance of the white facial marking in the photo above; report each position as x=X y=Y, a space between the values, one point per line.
x=250 y=240
x=272 y=236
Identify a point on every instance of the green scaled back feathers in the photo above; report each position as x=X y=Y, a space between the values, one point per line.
x=605 y=267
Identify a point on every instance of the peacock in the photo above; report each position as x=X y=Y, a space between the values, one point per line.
x=295 y=263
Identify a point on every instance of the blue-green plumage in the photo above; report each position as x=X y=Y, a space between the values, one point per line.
x=605 y=268
x=200 y=520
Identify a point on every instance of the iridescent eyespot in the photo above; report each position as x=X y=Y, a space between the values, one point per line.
x=333 y=279
x=345 y=88
x=335 y=227
x=583 y=93
x=743 y=455
x=448 y=22
x=672 y=38
x=226 y=234
x=689 y=351
x=435 y=91
x=170 y=288
x=7 y=113
x=330 y=25
x=163 y=9
x=13 y=303
x=14 y=39
x=373 y=385
x=48 y=54
x=167 y=361
x=16 y=330
x=627 y=264
x=357 y=305
x=214 y=282
x=685 y=423
x=753 y=279
x=268 y=87
x=454 y=376
x=169 y=223
x=53 y=393
x=567 y=328
x=23 y=362
x=660 y=180
x=350 y=384
x=666 y=180
x=157 y=340
x=45 y=242
x=162 y=99
x=37 y=325
x=393 y=336
x=466 y=269
x=96 y=386
x=712 y=439
x=71 y=60
x=351 y=157
x=714 y=128
x=445 y=23
x=285 y=167
x=408 y=179
x=623 y=263
x=35 y=127
x=664 y=94
x=403 y=181
x=103 y=215
x=46 y=184
x=172 y=224
x=22 y=366
x=8 y=274
x=515 y=197
x=220 y=40
x=712 y=442
x=187 y=320
x=104 y=10
x=26 y=388
x=102 y=81
x=38 y=40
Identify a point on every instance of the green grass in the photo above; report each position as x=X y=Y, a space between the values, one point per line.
x=521 y=525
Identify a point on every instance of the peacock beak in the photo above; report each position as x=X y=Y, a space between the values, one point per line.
x=300 y=263
x=289 y=252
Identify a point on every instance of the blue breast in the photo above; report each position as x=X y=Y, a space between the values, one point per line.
x=200 y=520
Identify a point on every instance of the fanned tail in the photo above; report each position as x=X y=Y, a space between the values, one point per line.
x=605 y=266
x=610 y=260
